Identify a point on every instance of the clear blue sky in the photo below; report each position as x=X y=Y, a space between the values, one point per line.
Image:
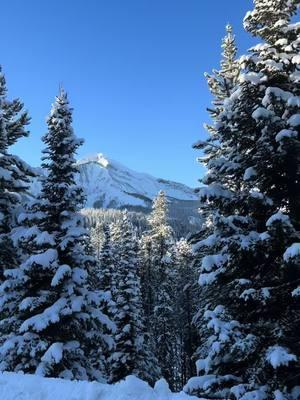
x=133 y=70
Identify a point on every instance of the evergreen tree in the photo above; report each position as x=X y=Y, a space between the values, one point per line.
x=155 y=247
x=97 y=238
x=54 y=320
x=14 y=173
x=249 y=320
x=186 y=299
x=158 y=277
x=222 y=81
x=103 y=281
x=147 y=279
x=106 y=258
x=132 y=354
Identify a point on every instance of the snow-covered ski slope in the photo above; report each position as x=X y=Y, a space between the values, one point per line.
x=32 y=387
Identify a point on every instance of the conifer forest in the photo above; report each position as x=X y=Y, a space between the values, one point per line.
x=207 y=309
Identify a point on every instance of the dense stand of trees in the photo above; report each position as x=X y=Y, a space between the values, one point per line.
x=155 y=296
x=219 y=313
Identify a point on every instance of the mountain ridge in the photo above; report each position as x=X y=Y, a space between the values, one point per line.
x=109 y=184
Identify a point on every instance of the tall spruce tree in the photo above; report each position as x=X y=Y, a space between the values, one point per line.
x=106 y=259
x=222 y=81
x=157 y=282
x=54 y=320
x=185 y=306
x=156 y=246
x=102 y=281
x=249 y=321
x=14 y=173
x=97 y=238
x=132 y=353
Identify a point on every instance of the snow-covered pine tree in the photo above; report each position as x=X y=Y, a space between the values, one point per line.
x=102 y=281
x=132 y=353
x=186 y=302
x=106 y=258
x=221 y=84
x=97 y=237
x=222 y=81
x=14 y=173
x=147 y=278
x=220 y=211
x=54 y=318
x=159 y=232
x=249 y=322
x=158 y=275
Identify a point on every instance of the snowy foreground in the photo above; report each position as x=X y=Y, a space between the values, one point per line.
x=31 y=387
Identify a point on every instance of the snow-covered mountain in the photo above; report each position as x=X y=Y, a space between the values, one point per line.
x=109 y=184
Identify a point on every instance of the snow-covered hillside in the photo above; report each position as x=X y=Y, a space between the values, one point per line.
x=31 y=387
x=109 y=184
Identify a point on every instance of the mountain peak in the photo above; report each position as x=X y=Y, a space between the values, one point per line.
x=98 y=158
x=110 y=184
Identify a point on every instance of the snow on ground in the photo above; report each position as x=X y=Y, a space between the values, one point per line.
x=32 y=387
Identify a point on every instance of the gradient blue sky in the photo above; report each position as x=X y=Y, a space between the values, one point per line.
x=133 y=70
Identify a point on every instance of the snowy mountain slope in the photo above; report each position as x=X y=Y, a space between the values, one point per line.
x=109 y=184
x=32 y=387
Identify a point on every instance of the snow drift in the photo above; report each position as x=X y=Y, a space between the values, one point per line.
x=32 y=387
